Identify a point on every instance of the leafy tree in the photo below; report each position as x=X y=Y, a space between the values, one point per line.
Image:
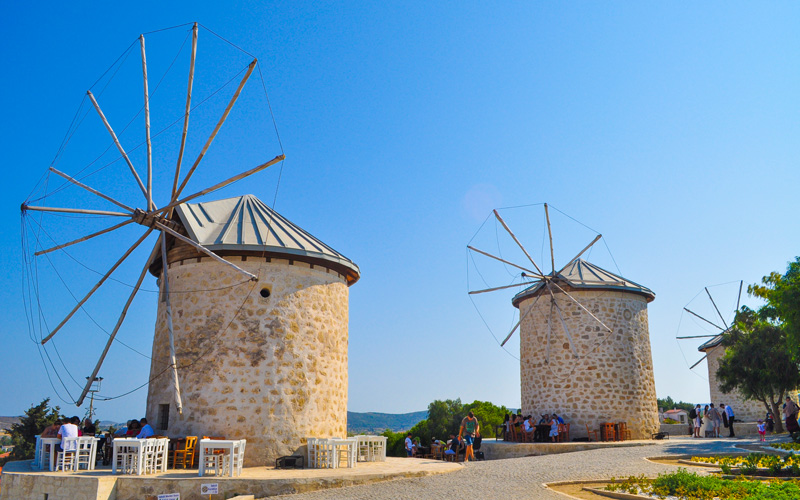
x=668 y=403
x=757 y=360
x=782 y=293
x=31 y=425
x=488 y=416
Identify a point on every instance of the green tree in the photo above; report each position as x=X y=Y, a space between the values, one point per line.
x=782 y=293
x=489 y=416
x=668 y=403
x=757 y=360
x=31 y=425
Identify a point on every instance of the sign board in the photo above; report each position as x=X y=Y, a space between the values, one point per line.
x=209 y=489
x=169 y=496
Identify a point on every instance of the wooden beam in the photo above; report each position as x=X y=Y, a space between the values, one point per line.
x=79 y=240
x=497 y=215
x=94 y=289
x=73 y=211
x=147 y=129
x=116 y=141
x=533 y=274
x=186 y=113
x=91 y=190
x=550 y=233
x=216 y=129
x=113 y=334
x=587 y=247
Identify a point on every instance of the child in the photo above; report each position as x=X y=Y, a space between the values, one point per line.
x=762 y=430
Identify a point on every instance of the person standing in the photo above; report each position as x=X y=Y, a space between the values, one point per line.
x=762 y=430
x=469 y=428
x=716 y=420
x=409 y=446
x=729 y=412
x=697 y=416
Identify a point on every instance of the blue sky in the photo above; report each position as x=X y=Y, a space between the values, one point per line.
x=669 y=128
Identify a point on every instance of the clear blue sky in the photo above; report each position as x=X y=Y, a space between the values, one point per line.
x=670 y=128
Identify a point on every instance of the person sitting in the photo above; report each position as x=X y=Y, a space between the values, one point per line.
x=133 y=428
x=68 y=430
x=146 y=431
x=51 y=431
x=77 y=423
x=506 y=428
x=88 y=428
x=528 y=427
x=452 y=445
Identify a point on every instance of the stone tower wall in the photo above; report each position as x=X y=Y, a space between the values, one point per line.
x=271 y=370
x=743 y=409
x=612 y=378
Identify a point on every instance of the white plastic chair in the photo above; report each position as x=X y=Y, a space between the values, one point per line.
x=85 y=452
x=311 y=451
x=65 y=460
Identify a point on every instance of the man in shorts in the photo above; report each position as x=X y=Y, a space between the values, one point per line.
x=468 y=430
x=409 y=446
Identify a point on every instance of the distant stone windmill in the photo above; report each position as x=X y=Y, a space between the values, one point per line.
x=746 y=410
x=584 y=342
x=251 y=333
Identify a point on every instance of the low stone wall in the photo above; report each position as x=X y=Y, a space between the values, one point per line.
x=497 y=450
x=740 y=428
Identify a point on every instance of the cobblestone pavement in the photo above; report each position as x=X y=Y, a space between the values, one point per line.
x=523 y=478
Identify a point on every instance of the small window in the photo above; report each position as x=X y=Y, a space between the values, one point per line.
x=265 y=292
x=163 y=417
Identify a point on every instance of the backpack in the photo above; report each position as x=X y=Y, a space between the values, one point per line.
x=693 y=414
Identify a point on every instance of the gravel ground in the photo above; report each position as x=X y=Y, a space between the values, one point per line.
x=523 y=477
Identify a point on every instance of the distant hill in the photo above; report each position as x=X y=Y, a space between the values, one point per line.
x=376 y=423
x=7 y=422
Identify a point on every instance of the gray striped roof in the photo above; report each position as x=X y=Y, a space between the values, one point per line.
x=585 y=275
x=245 y=223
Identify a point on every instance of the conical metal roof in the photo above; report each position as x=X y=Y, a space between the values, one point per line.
x=246 y=224
x=583 y=275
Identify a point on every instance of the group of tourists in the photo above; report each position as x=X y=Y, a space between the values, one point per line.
x=535 y=430
x=139 y=429
x=717 y=418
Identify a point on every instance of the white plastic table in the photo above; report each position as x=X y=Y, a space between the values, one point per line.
x=352 y=450
x=136 y=444
x=44 y=443
x=229 y=445
x=376 y=448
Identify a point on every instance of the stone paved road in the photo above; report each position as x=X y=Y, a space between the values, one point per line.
x=522 y=478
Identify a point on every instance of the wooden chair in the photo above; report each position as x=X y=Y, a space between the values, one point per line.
x=437 y=452
x=624 y=433
x=184 y=450
x=563 y=433
x=589 y=433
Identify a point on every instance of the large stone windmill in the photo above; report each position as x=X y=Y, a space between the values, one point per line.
x=267 y=361
x=584 y=343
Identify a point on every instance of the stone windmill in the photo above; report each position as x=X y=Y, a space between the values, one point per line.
x=251 y=332
x=713 y=350
x=584 y=343
x=265 y=361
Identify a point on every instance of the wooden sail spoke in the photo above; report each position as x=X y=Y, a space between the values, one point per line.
x=79 y=240
x=74 y=211
x=172 y=360
x=116 y=141
x=113 y=334
x=700 y=361
x=147 y=129
x=224 y=183
x=587 y=247
x=222 y=119
x=563 y=323
x=527 y=312
x=716 y=308
x=581 y=306
x=474 y=292
x=186 y=114
x=702 y=318
x=203 y=249
x=739 y=298
x=532 y=273
x=497 y=215
x=550 y=233
x=94 y=289
x=91 y=190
